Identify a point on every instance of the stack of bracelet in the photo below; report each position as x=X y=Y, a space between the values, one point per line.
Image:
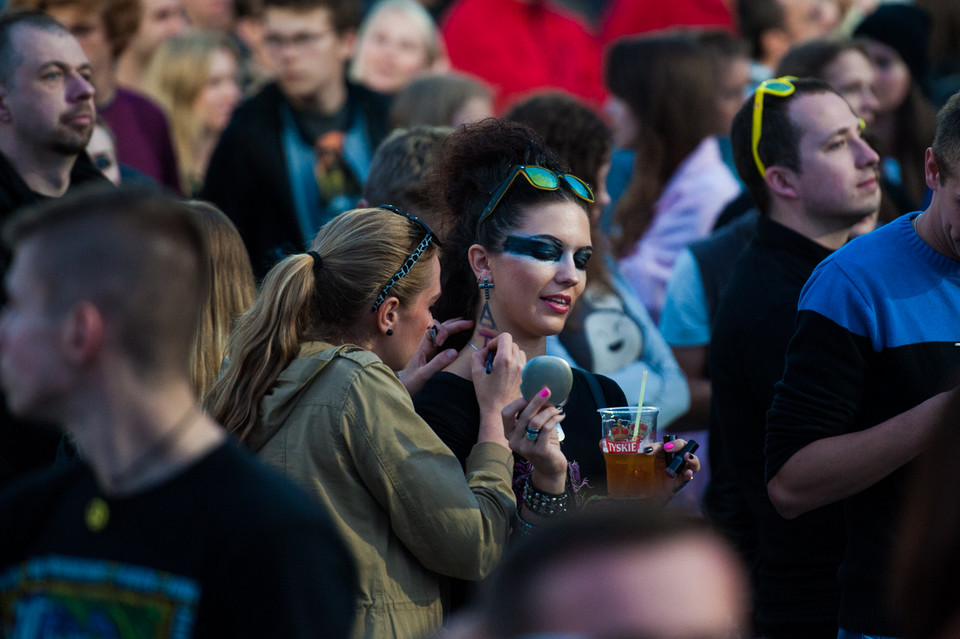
x=544 y=504
x=541 y=503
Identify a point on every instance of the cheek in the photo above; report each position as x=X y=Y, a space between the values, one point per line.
x=426 y=319
x=539 y=272
x=413 y=60
x=900 y=83
x=375 y=50
x=520 y=277
x=832 y=181
x=202 y=106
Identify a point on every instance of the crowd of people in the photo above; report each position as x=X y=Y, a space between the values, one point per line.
x=273 y=270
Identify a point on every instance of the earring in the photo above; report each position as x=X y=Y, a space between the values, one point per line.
x=486 y=286
x=486 y=317
x=389 y=332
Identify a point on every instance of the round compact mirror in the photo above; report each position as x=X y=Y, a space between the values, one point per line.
x=552 y=372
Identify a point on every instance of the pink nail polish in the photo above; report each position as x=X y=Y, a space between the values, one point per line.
x=668 y=446
x=544 y=392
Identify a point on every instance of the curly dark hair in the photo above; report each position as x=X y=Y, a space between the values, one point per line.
x=471 y=163
x=570 y=128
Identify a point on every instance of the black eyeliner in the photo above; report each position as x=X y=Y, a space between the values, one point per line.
x=545 y=249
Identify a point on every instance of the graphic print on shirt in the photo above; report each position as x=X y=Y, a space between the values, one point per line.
x=59 y=596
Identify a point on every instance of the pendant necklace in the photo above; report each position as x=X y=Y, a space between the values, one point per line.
x=96 y=515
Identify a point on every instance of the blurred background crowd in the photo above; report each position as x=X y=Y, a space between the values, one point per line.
x=283 y=114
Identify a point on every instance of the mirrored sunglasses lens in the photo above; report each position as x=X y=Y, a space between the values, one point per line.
x=541 y=178
x=579 y=187
x=778 y=87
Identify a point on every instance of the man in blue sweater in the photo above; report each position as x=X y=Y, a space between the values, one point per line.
x=873 y=362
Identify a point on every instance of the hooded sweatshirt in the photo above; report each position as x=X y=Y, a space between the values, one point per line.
x=340 y=423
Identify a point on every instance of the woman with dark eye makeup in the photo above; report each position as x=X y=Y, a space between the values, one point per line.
x=609 y=331
x=515 y=262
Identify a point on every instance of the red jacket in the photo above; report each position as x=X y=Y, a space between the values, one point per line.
x=517 y=46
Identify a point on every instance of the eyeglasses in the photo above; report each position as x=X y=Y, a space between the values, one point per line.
x=780 y=87
x=408 y=264
x=539 y=178
x=299 y=41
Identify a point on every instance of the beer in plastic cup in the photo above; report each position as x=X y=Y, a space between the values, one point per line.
x=630 y=472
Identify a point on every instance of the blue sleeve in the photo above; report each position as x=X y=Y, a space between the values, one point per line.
x=685 y=319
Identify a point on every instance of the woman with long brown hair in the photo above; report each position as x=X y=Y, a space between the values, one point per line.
x=664 y=107
x=896 y=39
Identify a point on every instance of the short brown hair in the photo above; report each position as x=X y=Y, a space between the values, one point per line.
x=946 y=142
x=345 y=15
x=29 y=18
x=137 y=254
x=399 y=169
x=779 y=138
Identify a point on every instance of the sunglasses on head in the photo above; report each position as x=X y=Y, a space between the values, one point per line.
x=429 y=238
x=539 y=178
x=781 y=88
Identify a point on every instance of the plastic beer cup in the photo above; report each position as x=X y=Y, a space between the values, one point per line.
x=631 y=473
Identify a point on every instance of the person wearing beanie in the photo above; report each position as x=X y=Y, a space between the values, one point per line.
x=905 y=28
x=897 y=37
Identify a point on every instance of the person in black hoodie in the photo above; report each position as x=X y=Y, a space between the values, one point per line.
x=298 y=152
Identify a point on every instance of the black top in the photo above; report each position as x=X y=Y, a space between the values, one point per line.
x=796 y=592
x=717 y=254
x=15 y=193
x=449 y=405
x=715 y=257
x=227 y=548
x=25 y=445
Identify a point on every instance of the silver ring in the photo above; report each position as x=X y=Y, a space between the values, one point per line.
x=532 y=434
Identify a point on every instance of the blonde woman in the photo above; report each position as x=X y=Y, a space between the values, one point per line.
x=397 y=40
x=230 y=291
x=194 y=76
x=311 y=388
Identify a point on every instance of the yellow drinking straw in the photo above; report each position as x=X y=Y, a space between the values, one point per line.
x=636 y=424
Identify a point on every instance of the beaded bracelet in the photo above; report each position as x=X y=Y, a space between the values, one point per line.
x=544 y=504
x=523 y=528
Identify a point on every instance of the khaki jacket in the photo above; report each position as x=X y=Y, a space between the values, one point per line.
x=342 y=425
